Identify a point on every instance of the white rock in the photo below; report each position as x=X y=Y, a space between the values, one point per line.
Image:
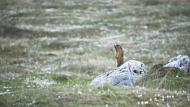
x=181 y=62
x=125 y=75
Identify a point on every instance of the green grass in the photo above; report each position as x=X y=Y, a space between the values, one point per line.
x=51 y=51
x=165 y=78
x=81 y=95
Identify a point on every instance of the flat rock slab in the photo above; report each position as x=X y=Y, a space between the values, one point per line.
x=181 y=62
x=125 y=75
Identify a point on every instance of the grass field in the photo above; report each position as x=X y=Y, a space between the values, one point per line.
x=51 y=51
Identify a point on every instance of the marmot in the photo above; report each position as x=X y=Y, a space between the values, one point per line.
x=119 y=55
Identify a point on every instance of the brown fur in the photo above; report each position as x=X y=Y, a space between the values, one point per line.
x=119 y=55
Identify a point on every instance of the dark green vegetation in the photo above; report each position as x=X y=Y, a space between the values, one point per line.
x=52 y=49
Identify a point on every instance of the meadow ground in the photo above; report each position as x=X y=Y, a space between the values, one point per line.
x=51 y=50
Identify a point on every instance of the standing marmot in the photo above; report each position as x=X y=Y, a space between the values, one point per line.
x=119 y=55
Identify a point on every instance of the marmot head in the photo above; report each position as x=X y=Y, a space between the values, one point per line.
x=117 y=47
x=119 y=51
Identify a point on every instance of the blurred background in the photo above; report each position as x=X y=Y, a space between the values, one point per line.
x=45 y=38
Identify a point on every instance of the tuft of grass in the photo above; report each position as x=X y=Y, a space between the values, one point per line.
x=11 y=50
x=165 y=78
x=14 y=32
x=61 y=78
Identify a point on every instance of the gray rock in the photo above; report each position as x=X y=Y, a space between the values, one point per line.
x=181 y=62
x=125 y=75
